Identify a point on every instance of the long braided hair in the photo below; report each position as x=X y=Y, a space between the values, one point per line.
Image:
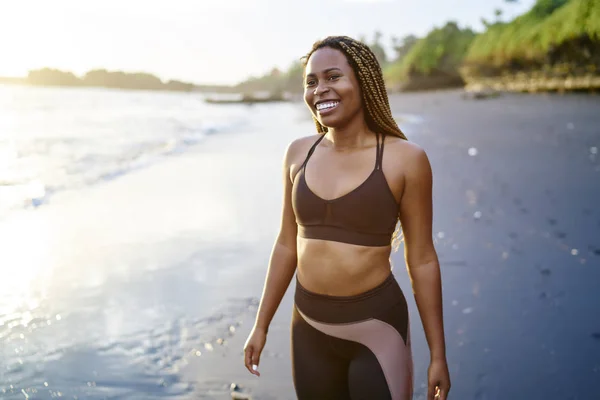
x=363 y=62
x=378 y=114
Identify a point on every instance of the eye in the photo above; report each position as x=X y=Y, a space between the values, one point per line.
x=310 y=82
x=333 y=77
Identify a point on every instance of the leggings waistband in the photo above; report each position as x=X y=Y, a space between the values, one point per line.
x=390 y=280
x=345 y=309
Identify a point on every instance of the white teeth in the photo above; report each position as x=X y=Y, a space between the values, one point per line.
x=325 y=106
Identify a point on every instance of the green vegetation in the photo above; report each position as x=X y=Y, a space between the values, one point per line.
x=104 y=78
x=278 y=82
x=52 y=77
x=553 y=35
x=504 y=42
x=275 y=82
x=417 y=63
x=436 y=56
x=554 y=46
x=570 y=35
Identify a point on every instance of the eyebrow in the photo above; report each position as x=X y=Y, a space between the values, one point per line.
x=326 y=71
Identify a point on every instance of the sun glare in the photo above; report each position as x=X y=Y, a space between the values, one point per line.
x=26 y=264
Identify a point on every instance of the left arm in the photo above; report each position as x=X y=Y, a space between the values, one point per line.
x=416 y=218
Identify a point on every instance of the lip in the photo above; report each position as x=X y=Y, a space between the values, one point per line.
x=325 y=101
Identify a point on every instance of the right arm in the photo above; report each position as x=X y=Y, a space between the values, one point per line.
x=282 y=267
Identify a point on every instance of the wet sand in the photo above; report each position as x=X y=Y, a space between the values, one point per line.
x=108 y=292
x=517 y=229
x=148 y=284
x=520 y=242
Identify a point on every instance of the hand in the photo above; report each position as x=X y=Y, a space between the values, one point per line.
x=438 y=380
x=252 y=349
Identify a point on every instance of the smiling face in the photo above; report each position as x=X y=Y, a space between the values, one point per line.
x=331 y=89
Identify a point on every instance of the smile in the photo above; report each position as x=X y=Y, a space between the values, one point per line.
x=326 y=107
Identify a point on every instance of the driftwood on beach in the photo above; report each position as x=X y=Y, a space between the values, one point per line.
x=247 y=98
x=525 y=83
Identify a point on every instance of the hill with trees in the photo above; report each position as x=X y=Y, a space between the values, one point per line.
x=554 y=46
x=104 y=78
x=432 y=61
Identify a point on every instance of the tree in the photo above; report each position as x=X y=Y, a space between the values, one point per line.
x=485 y=23
x=498 y=14
x=378 y=49
x=402 y=46
x=275 y=72
x=53 y=77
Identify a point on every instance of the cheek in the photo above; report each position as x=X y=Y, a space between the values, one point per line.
x=358 y=97
x=353 y=97
x=308 y=99
x=348 y=90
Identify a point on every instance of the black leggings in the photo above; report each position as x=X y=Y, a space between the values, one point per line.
x=352 y=347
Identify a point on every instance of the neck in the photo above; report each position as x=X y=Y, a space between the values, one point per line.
x=356 y=134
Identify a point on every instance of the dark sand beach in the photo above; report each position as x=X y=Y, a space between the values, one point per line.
x=146 y=286
x=517 y=229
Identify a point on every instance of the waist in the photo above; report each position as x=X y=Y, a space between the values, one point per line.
x=341 y=269
x=343 y=309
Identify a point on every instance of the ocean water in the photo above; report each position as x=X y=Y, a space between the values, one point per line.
x=119 y=228
x=135 y=229
x=56 y=139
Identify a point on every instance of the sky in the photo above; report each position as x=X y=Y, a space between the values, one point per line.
x=209 y=41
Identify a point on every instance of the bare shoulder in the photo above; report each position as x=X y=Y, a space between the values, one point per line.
x=406 y=156
x=297 y=145
x=296 y=151
x=401 y=147
x=405 y=164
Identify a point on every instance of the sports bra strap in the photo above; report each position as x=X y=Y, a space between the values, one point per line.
x=379 y=154
x=310 y=152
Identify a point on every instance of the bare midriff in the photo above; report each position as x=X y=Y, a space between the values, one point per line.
x=340 y=269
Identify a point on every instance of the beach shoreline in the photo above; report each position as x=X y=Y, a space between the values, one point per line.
x=508 y=277
x=168 y=262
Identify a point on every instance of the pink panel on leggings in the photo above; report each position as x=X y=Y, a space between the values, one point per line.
x=385 y=342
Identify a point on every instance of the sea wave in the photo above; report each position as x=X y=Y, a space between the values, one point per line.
x=53 y=140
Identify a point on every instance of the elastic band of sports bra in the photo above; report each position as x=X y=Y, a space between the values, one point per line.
x=344 y=235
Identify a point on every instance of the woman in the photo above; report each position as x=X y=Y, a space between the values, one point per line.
x=345 y=189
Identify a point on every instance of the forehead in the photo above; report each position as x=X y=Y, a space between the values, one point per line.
x=326 y=58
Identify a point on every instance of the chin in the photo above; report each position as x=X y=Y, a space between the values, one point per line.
x=330 y=122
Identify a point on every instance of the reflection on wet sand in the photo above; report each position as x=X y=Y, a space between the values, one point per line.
x=147 y=285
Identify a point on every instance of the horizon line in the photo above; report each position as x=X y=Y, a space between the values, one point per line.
x=164 y=80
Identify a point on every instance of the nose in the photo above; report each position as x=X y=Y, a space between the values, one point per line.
x=320 y=89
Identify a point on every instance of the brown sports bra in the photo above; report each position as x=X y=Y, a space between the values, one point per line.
x=365 y=216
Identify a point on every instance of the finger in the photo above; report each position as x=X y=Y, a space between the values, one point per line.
x=430 y=392
x=255 y=362
x=444 y=392
x=248 y=359
x=256 y=358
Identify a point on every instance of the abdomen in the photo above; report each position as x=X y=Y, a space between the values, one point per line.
x=340 y=269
